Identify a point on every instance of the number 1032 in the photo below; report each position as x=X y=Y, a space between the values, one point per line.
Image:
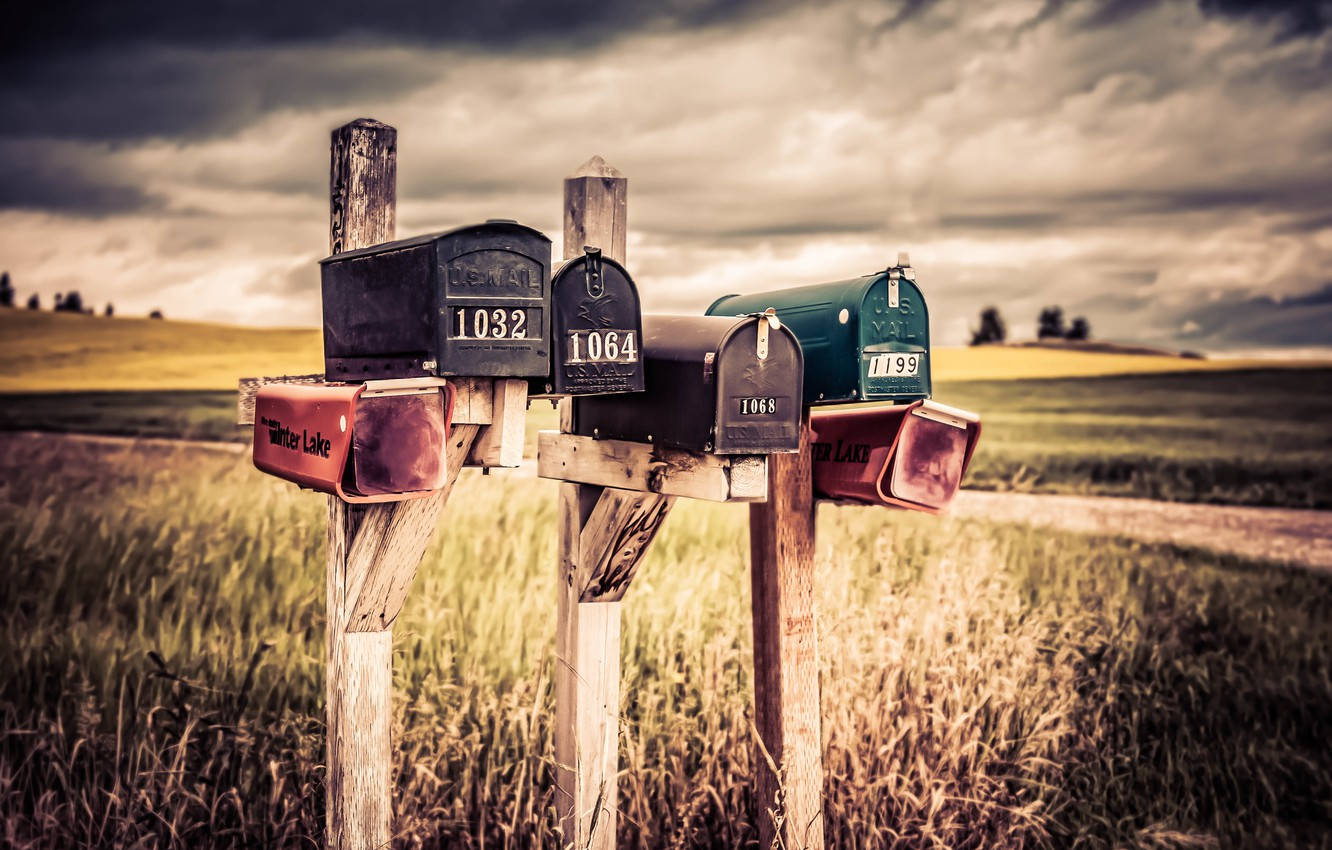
x=489 y=323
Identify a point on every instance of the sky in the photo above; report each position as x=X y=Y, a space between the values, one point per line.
x=1162 y=168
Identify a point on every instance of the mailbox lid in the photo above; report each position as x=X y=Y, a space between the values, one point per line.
x=699 y=371
x=852 y=333
x=596 y=329
x=493 y=290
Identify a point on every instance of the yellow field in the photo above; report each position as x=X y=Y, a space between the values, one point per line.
x=51 y=351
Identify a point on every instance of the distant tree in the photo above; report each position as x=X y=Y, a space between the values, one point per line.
x=34 y=302
x=156 y=314
x=59 y=299
x=991 y=327
x=6 y=291
x=72 y=303
x=1050 y=323
x=1079 y=329
x=110 y=310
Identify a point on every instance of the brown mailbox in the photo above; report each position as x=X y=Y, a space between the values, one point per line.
x=380 y=441
x=907 y=456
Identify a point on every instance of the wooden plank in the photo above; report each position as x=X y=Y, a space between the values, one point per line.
x=501 y=442
x=614 y=540
x=786 y=658
x=362 y=201
x=387 y=550
x=472 y=402
x=651 y=469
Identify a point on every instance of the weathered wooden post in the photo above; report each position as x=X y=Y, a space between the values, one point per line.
x=786 y=654
x=587 y=651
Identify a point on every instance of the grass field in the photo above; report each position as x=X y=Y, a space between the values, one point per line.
x=46 y=352
x=983 y=686
x=1251 y=437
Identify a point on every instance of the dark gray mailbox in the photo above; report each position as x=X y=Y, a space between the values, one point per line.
x=473 y=301
x=865 y=339
x=596 y=329
x=728 y=385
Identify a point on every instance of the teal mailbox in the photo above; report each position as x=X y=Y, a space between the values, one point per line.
x=865 y=339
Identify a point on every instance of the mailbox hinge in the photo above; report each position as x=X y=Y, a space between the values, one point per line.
x=596 y=287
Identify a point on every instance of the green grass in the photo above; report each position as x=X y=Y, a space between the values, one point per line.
x=1240 y=437
x=982 y=686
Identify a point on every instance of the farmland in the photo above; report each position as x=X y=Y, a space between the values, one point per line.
x=163 y=681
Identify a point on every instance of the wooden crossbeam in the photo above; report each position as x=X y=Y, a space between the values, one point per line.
x=652 y=469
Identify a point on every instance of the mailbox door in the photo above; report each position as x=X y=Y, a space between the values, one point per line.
x=597 y=329
x=378 y=315
x=894 y=340
x=494 y=319
x=398 y=443
x=759 y=376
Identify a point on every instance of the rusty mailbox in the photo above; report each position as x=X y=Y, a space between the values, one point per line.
x=727 y=385
x=473 y=301
x=865 y=339
x=907 y=455
x=596 y=329
x=379 y=441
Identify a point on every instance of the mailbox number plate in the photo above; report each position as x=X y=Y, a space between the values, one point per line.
x=758 y=406
x=489 y=322
x=894 y=365
x=601 y=346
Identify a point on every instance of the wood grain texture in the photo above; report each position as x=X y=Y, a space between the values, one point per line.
x=387 y=550
x=786 y=654
x=363 y=177
x=501 y=442
x=587 y=696
x=596 y=201
x=614 y=540
x=651 y=469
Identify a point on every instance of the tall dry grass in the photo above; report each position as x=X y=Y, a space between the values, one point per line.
x=982 y=686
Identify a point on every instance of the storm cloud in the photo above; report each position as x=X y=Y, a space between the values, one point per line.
x=1126 y=159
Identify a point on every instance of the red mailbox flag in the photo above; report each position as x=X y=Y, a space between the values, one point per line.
x=380 y=441
x=907 y=456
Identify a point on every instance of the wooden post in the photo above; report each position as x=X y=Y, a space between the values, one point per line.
x=362 y=212
x=786 y=654
x=587 y=676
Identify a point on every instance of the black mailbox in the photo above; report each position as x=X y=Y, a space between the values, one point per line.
x=473 y=301
x=728 y=385
x=596 y=329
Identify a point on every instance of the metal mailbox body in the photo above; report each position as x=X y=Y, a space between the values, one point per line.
x=908 y=456
x=473 y=301
x=708 y=388
x=381 y=444
x=596 y=329
x=865 y=339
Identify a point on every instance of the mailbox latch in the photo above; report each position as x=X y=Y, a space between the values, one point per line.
x=768 y=322
x=596 y=287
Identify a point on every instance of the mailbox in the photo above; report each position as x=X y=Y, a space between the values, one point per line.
x=908 y=456
x=473 y=301
x=714 y=384
x=380 y=441
x=596 y=329
x=865 y=339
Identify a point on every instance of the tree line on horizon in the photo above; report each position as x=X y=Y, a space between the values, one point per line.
x=64 y=302
x=1049 y=325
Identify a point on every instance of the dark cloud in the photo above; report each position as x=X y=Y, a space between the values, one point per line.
x=1301 y=320
x=1295 y=17
x=59 y=179
x=1000 y=221
x=74 y=26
